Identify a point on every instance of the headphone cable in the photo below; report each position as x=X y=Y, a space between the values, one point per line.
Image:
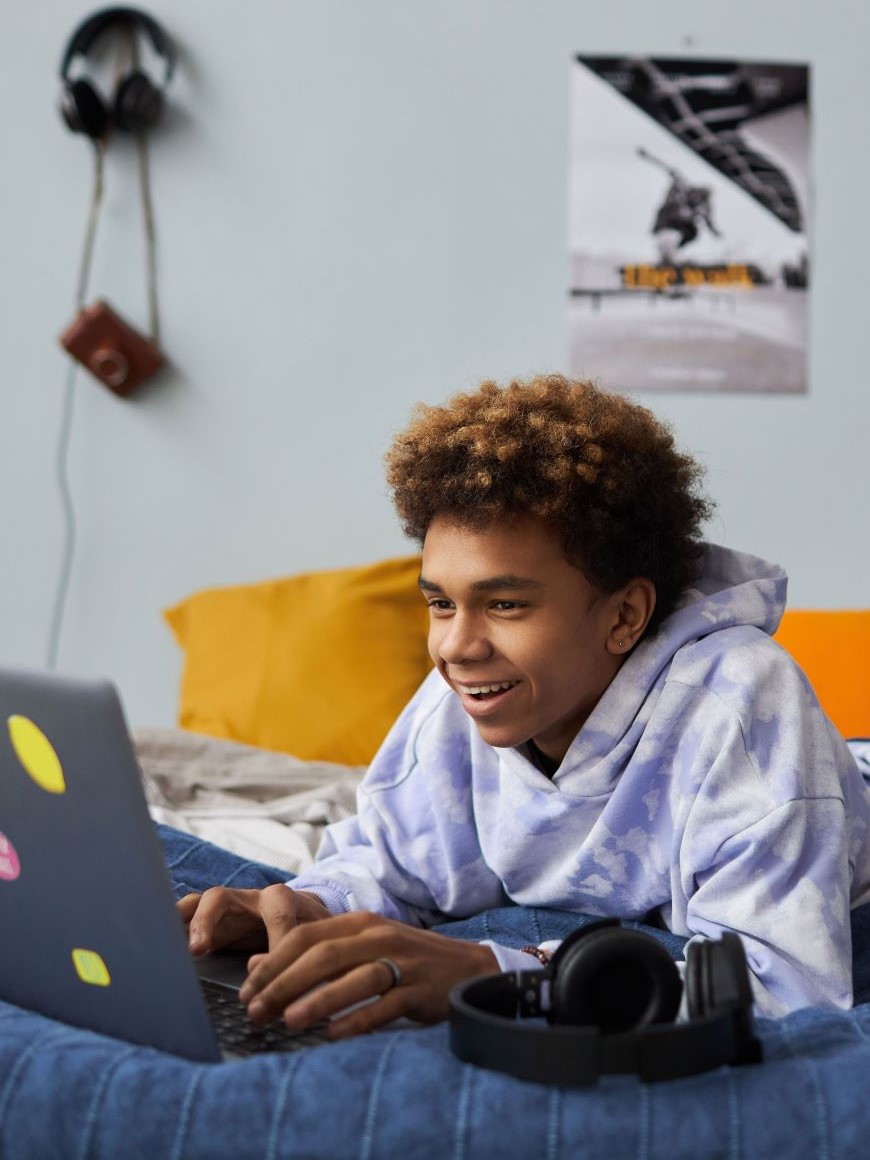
x=64 y=438
x=69 y=517
x=150 y=239
x=65 y=435
x=146 y=203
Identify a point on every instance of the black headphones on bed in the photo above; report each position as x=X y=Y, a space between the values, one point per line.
x=609 y=997
x=137 y=102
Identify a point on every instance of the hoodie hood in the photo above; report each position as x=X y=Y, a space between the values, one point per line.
x=732 y=590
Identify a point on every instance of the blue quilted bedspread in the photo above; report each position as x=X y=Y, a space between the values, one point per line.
x=69 y=1094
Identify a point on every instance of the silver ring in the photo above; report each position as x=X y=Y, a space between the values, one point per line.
x=394 y=971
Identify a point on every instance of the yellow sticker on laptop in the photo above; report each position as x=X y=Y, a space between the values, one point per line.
x=36 y=754
x=90 y=967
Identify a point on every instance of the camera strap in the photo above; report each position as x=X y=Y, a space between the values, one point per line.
x=147 y=204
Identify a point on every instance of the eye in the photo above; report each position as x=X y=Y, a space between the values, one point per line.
x=439 y=604
x=508 y=605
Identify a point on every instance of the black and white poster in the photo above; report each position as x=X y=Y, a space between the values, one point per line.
x=688 y=224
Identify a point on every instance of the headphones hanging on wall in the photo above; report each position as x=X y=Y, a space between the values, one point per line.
x=137 y=102
x=610 y=996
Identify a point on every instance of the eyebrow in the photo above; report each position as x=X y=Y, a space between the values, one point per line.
x=506 y=583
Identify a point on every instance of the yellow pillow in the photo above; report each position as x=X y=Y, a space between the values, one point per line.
x=833 y=649
x=318 y=665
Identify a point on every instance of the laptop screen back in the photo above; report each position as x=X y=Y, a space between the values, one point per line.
x=90 y=934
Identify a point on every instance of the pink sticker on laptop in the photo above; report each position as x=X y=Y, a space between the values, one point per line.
x=10 y=867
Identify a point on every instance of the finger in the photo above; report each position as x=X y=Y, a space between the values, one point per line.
x=312 y=969
x=186 y=906
x=204 y=919
x=278 y=911
x=363 y=984
x=297 y=942
x=216 y=905
x=307 y=958
x=393 y=1005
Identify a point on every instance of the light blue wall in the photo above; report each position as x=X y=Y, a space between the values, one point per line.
x=361 y=203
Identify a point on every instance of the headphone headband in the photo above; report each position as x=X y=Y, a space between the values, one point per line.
x=89 y=31
x=577 y=1056
x=487 y=1026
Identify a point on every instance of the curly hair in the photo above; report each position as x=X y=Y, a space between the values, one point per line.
x=601 y=470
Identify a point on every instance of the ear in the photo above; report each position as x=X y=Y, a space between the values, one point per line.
x=633 y=605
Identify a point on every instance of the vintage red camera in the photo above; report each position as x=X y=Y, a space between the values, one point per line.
x=111 y=349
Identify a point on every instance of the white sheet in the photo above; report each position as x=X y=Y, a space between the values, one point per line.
x=257 y=803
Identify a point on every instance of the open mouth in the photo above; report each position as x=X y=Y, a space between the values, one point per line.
x=488 y=692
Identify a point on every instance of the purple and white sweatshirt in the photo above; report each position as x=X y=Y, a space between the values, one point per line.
x=707 y=791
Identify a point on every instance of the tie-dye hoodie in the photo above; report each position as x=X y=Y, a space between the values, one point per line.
x=707 y=791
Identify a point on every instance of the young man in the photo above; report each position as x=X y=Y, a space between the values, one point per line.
x=609 y=729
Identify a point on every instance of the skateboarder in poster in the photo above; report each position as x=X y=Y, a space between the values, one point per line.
x=684 y=208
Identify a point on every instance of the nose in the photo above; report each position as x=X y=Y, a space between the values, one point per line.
x=461 y=639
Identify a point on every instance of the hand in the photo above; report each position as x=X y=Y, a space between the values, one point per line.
x=339 y=957
x=247 y=919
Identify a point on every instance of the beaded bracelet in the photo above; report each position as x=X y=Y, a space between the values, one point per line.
x=540 y=954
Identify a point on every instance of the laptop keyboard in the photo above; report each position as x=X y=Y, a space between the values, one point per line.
x=237 y=1034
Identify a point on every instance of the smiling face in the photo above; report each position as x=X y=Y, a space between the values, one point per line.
x=519 y=633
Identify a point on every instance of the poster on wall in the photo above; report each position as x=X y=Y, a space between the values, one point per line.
x=688 y=224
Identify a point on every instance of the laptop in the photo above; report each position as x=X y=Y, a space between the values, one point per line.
x=90 y=932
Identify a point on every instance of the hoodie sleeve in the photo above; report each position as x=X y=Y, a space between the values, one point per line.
x=357 y=868
x=766 y=850
x=783 y=885
x=412 y=851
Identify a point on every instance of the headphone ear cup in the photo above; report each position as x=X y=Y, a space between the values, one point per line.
x=83 y=110
x=717 y=976
x=138 y=104
x=614 y=979
x=696 y=986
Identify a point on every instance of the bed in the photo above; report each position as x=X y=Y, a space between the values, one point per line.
x=68 y=1093
x=241 y=798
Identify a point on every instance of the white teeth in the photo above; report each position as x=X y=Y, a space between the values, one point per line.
x=475 y=689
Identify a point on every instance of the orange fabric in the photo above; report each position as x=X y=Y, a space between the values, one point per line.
x=319 y=665
x=833 y=649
